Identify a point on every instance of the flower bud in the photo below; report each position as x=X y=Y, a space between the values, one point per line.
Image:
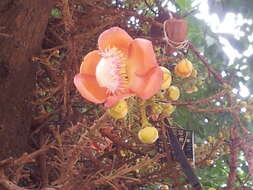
x=119 y=110
x=183 y=69
x=148 y=135
x=166 y=78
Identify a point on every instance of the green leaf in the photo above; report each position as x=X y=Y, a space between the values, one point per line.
x=56 y=13
x=184 y=4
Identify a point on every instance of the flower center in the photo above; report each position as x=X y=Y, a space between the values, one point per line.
x=111 y=71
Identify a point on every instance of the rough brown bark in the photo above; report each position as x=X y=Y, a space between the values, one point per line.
x=22 y=27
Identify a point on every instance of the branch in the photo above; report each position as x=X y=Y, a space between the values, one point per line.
x=8 y=184
x=215 y=110
x=148 y=5
x=198 y=102
x=209 y=68
x=233 y=159
x=248 y=151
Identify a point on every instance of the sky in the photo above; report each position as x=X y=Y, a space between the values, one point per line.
x=231 y=24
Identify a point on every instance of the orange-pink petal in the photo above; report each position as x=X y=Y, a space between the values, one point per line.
x=141 y=59
x=149 y=84
x=112 y=100
x=114 y=37
x=88 y=87
x=90 y=62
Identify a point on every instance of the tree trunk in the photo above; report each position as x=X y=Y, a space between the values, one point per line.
x=22 y=27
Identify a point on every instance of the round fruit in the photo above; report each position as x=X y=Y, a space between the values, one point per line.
x=122 y=153
x=169 y=109
x=183 y=69
x=194 y=73
x=191 y=89
x=211 y=139
x=209 y=162
x=119 y=110
x=157 y=108
x=243 y=103
x=148 y=135
x=220 y=135
x=247 y=117
x=173 y=93
x=164 y=187
x=166 y=78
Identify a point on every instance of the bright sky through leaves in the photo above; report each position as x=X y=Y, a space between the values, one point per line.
x=230 y=25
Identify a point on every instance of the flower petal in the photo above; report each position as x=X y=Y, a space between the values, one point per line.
x=114 y=37
x=141 y=59
x=149 y=84
x=88 y=87
x=90 y=62
x=112 y=100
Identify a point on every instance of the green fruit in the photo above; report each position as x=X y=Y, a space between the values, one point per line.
x=119 y=110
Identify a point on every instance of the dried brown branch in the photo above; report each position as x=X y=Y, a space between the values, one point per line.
x=233 y=159
x=7 y=183
x=248 y=152
x=214 y=110
x=198 y=102
x=125 y=169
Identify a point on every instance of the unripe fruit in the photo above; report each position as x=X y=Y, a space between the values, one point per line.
x=194 y=73
x=148 y=135
x=119 y=110
x=164 y=187
x=169 y=109
x=247 y=117
x=209 y=162
x=166 y=78
x=220 y=135
x=211 y=139
x=122 y=153
x=157 y=108
x=243 y=103
x=183 y=69
x=191 y=89
x=173 y=93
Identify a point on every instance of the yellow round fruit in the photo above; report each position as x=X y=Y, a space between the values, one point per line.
x=148 y=135
x=173 y=93
x=168 y=109
x=184 y=68
x=220 y=135
x=247 y=117
x=122 y=153
x=119 y=110
x=157 y=108
x=243 y=103
x=194 y=73
x=191 y=89
x=211 y=139
x=166 y=78
x=164 y=187
x=209 y=162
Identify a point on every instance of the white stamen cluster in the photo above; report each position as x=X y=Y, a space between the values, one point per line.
x=111 y=71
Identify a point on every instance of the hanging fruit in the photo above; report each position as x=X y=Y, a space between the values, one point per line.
x=184 y=68
x=148 y=135
x=119 y=110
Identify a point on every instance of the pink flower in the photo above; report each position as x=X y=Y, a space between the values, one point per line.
x=122 y=67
